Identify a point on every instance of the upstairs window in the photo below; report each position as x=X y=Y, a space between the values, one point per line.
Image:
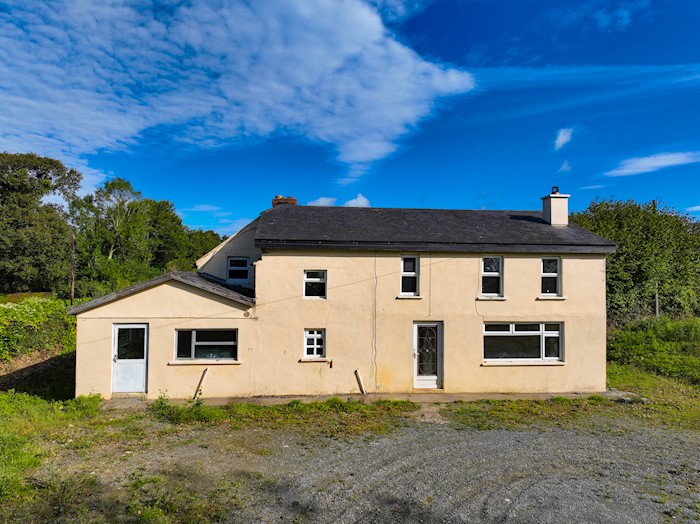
x=551 y=276
x=314 y=343
x=409 y=275
x=239 y=269
x=207 y=344
x=314 y=283
x=492 y=276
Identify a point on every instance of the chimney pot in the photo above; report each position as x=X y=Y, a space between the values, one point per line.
x=279 y=200
x=555 y=190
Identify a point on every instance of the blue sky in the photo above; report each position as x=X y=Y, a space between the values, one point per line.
x=220 y=105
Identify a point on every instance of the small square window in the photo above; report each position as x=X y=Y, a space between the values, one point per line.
x=492 y=276
x=409 y=275
x=239 y=269
x=315 y=283
x=315 y=343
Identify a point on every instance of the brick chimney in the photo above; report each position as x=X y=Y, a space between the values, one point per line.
x=555 y=208
x=279 y=200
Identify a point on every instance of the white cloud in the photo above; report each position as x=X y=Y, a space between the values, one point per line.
x=565 y=167
x=693 y=209
x=78 y=77
x=359 y=201
x=647 y=164
x=207 y=208
x=323 y=201
x=563 y=138
x=592 y=187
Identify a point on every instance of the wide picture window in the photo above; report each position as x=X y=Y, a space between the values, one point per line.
x=523 y=341
x=219 y=344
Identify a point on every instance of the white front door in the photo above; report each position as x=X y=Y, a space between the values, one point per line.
x=427 y=355
x=129 y=358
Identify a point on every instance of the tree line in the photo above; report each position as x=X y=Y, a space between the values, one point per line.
x=120 y=237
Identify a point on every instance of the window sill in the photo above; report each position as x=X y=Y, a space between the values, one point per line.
x=409 y=297
x=314 y=360
x=205 y=362
x=486 y=297
x=314 y=298
x=505 y=362
x=550 y=297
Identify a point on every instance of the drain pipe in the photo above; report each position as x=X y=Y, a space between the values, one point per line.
x=199 y=386
x=359 y=381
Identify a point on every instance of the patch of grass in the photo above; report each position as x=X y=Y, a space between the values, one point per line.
x=333 y=417
x=667 y=347
x=670 y=403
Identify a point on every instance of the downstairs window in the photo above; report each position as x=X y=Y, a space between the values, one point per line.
x=523 y=341
x=207 y=344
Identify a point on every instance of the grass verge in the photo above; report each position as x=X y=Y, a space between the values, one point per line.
x=333 y=417
x=670 y=403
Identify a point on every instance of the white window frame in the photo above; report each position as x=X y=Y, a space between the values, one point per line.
x=542 y=332
x=498 y=274
x=323 y=280
x=229 y=268
x=193 y=344
x=414 y=274
x=315 y=335
x=556 y=275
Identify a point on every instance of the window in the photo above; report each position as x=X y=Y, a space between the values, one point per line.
x=551 y=281
x=409 y=275
x=492 y=276
x=518 y=341
x=315 y=283
x=314 y=343
x=207 y=344
x=239 y=269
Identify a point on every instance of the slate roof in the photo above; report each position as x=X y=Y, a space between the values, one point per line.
x=185 y=277
x=395 y=229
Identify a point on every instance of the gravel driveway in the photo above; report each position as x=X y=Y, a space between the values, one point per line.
x=429 y=472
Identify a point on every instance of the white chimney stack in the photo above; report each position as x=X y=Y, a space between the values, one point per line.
x=555 y=208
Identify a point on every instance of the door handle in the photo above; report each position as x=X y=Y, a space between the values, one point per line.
x=114 y=359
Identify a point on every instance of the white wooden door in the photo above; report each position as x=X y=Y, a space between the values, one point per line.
x=129 y=358
x=427 y=355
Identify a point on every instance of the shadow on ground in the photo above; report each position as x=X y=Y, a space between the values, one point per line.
x=51 y=379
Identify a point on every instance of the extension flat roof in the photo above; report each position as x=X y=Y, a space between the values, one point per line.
x=397 y=229
x=185 y=277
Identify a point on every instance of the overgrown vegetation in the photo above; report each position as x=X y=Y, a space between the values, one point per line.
x=668 y=347
x=333 y=417
x=658 y=255
x=35 y=324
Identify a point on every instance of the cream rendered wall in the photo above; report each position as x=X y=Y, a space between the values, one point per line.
x=242 y=244
x=165 y=308
x=368 y=327
x=373 y=330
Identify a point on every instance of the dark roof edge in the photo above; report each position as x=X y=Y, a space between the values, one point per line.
x=184 y=277
x=427 y=246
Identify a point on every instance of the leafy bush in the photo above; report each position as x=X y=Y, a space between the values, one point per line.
x=35 y=324
x=667 y=347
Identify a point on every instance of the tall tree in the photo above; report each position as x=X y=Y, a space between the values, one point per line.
x=35 y=238
x=658 y=258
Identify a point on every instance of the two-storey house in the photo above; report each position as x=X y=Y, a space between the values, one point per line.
x=333 y=300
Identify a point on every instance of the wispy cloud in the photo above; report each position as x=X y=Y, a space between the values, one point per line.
x=647 y=164
x=563 y=138
x=76 y=78
x=359 y=201
x=598 y=186
x=565 y=167
x=693 y=209
x=206 y=208
x=323 y=201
